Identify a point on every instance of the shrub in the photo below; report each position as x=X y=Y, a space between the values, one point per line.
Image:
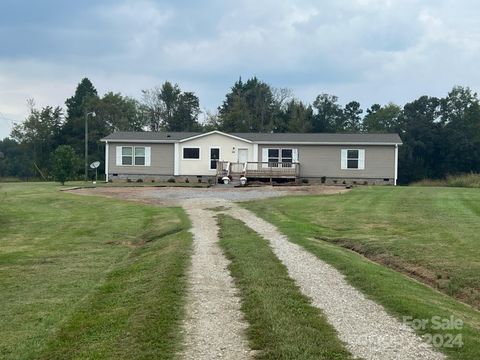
x=171 y=180
x=139 y=180
x=304 y=181
x=129 y=180
x=65 y=163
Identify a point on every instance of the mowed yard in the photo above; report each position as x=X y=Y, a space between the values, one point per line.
x=426 y=234
x=89 y=277
x=86 y=277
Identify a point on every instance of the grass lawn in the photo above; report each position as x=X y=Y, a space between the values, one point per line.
x=86 y=277
x=429 y=233
x=282 y=323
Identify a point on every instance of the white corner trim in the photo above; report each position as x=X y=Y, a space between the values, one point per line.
x=255 y=152
x=106 y=161
x=396 y=166
x=176 y=159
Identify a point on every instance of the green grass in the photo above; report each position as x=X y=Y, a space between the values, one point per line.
x=433 y=230
x=86 y=277
x=282 y=323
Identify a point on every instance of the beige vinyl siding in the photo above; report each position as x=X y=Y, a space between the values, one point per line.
x=325 y=160
x=228 y=152
x=161 y=160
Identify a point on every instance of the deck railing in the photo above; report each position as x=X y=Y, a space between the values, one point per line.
x=260 y=169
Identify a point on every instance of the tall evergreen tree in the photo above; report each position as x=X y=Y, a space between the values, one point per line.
x=248 y=107
x=82 y=102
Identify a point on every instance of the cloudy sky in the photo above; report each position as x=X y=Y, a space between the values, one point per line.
x=365 y=50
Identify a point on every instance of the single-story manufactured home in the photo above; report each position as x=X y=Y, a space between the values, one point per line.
x=318 y=157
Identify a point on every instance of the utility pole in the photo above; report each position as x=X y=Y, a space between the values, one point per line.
x=86 y=142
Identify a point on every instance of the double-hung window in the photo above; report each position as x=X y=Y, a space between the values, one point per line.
x=353 y=159
x=273 y=157
x=285 y=156
x=133 y=155
x=127 y=155
x=139 y=155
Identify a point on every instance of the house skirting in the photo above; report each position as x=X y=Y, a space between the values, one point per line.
x=211 y=179
x=348 y=181
x=160 y=178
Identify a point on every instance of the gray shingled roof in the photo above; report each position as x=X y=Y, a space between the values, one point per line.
x=147 y=135
x=262 y=137
x=320 y=137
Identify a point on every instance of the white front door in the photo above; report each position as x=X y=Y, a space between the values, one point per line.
x=242 y=156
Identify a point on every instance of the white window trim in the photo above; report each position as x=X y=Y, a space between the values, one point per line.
x=277 y=157
x=280 y=158
x=358 y=159
x=133 y=155
x=210 y=156
x=193 y=147
x=144 y=155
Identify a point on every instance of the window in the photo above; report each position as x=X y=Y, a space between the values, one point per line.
x=127 y=152
x=192 y=153
x=139 y=156
x=214 y=157
x=287 y=155
x=273 y=155
x=133 y=155
x=352 y=159
x=284 y=156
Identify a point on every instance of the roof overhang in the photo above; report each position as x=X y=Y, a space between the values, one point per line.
x=216 y=132
x=140 y=141
x=325 y=143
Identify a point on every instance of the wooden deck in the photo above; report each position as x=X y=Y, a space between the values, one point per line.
x=270 y=170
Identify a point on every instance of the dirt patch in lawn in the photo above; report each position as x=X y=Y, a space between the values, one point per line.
x=176 y=195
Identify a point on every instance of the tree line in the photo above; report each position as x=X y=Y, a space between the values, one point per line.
x=441 y=136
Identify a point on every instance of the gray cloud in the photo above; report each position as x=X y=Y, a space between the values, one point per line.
x=368 y=50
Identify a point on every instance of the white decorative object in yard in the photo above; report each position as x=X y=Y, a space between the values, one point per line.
x=243 y=180
x=226 y=180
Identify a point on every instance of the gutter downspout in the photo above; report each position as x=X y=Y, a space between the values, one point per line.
x=106 y=161
x=396 y=165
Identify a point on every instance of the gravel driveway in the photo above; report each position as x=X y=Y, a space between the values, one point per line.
x=214 y=326
x=176 y=195
x=363 y=325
